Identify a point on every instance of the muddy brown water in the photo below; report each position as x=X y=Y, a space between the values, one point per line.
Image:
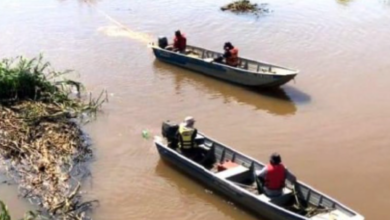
x=331 y=125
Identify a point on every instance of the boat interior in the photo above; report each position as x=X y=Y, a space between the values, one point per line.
x=245 y=64
x=240 y=170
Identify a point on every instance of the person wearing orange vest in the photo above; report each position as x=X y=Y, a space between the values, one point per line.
x=274 y=175
x=179 y=42
x=186 y=136
x=231 y=54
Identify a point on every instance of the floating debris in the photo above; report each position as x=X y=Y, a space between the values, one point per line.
x=42 y=147
x=245 y=6
x=146 y=134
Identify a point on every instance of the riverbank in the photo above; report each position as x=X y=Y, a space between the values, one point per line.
x=42 y=146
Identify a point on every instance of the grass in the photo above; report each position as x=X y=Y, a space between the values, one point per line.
x=38 y=139
x=35 y=80
x=5 y=215
x=21 y=79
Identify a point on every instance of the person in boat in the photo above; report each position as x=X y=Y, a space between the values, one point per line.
x=179 y=43
x=230 y=55
x=186 y=136
x=274 y=175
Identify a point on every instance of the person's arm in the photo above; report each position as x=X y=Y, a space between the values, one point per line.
x=175 y=44
x=193 y=137
x=178 y=136
x=291 y=177
x=261 y=175
x=227 y=54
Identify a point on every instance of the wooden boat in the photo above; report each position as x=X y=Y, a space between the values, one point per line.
x=248 y=73
x=239 y=184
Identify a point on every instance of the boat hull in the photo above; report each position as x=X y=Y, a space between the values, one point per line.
x=224 y=72
x=257 y=207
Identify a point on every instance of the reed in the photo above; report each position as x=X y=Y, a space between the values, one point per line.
x=5 y=215
x=42 y=147
x=33 y=79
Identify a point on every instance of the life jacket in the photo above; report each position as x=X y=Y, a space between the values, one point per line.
x=233 y=59
x=180 y=43
x=275 y=178
x=186 y=140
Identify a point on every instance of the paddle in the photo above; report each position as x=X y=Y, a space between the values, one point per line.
x=300 y=207
x=258 y=183
x=242 y=185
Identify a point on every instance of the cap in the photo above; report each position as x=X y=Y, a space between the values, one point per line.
x=189 y=120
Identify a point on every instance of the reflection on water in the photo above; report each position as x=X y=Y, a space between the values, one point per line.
x=189 y=186
x=296 y=95
x=275 y=102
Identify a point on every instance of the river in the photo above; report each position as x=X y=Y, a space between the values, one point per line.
x=330 y=125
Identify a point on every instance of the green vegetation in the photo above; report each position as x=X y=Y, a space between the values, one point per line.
x=242 y=6
x=5 y=215
x=41 y=147
x=32 y=79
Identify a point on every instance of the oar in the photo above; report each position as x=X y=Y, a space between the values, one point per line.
x=240 y=184
x=296 y=197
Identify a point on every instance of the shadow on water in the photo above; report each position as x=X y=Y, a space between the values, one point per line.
x=294 y=95
x=275 y=101
x=191 y=187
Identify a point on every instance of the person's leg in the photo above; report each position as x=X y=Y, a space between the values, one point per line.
x=173 y=144
x=169 y=47
x=218 y=59
x=186 y=152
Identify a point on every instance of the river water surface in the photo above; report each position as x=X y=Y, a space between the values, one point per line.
x=331 y=125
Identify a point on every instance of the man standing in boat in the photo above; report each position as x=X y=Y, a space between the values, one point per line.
x=274 y=175
x=186 y=136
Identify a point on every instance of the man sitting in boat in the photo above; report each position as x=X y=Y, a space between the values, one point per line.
x=186 y=136
x=274 y=175
x=179 y=43
x=230 y=55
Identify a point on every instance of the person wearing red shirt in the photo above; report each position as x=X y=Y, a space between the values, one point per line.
x=274 y=175
x=179 y=42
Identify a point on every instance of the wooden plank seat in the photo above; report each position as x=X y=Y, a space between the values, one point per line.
x=232 y=172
